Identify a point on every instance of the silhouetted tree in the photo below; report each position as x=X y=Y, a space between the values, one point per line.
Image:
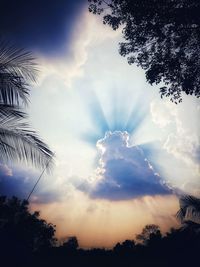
x=150 y=233
x=17 y=140
x=71 y=243
x=162 y=37
x=21 y=229
x=126 y=246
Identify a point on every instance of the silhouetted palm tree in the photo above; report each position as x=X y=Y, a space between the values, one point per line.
x=189 y=211
x=17 y=140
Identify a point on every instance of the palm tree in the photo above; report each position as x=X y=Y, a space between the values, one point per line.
x=189 y=212
x=18 y=142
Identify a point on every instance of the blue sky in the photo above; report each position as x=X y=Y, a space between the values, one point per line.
x=122 y=154
x=40 y=25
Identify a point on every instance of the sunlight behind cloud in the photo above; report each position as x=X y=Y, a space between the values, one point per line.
x=123 y=171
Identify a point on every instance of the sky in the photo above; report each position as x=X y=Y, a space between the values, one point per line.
x=123 y=154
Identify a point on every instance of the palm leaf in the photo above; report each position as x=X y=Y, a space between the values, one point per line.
x=11 y=110
x=189 y=209
x=17 y=70
x=19 y=143
x=180 y=214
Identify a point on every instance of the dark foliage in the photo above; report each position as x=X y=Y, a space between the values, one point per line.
x=71 y=243
x=15 y=215
x=150 y=234
x=124 y=247
x=162 y=37
x=22 y=232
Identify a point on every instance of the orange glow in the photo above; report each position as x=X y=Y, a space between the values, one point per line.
x=100 y=223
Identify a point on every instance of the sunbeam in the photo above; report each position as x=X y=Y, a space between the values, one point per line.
x=119 y=117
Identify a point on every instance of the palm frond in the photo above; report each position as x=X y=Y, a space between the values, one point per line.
x=189 y=209
x=11 y=110
x=180 y=215
x=13 y=89
x=188 y=200
x=17 y=70
x=19 y=143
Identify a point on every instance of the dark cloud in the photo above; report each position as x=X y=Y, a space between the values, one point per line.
x=124 y=172
x=127 y=182
x=42 y=25
x=20 y=183
x=14 y=185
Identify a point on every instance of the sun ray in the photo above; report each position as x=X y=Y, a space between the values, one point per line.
x=117 y=117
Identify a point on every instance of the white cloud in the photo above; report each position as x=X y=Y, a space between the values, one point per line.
x=160 y=114
x=181 y=138
x=71 y=65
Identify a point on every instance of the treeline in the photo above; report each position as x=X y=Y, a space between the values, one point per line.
x=27 y=240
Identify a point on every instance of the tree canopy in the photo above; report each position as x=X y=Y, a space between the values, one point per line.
x=150 y=233
x=162 y=37
x=19 y=227
x=71 y=243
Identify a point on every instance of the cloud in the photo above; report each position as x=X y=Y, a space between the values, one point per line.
x=13 y=185
x=14 y=182
x=123 y=171
x=5 y=170
x=180 y=139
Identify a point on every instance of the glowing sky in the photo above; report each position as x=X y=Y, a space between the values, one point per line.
x=122 y=154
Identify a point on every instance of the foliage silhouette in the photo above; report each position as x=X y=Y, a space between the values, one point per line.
x=126 y=246
x=189 y=212
x=32 y=232
x=22 y=232
x=17 y=140
x=150 y=233
x=162 y=37
x=71 y=243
